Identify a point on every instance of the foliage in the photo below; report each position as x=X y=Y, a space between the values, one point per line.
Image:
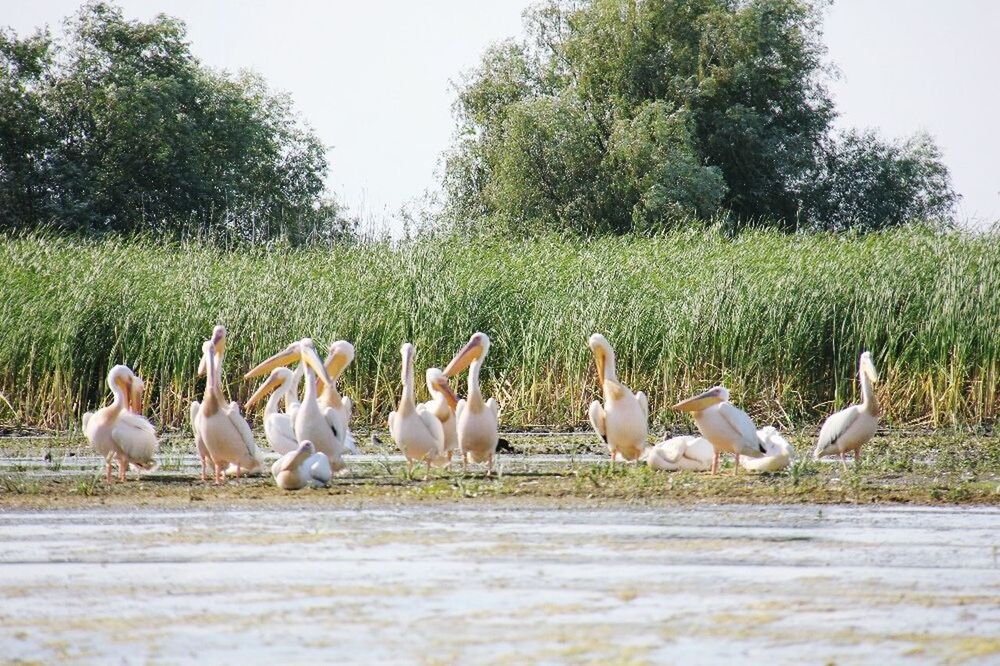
x=118 y=127
x=615 y=115
x=780 y=319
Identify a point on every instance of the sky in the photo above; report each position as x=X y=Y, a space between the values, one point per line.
x=375 y=79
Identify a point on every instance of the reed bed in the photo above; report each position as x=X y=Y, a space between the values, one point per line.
x=779 y=319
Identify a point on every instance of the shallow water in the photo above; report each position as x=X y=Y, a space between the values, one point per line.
x=439 y=583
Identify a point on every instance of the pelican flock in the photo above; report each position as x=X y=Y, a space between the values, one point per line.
x=310 y=432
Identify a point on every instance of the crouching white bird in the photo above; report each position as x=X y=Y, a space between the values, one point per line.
x=778 y=452
x=849 y=428
x=684 y=452
x=725 y=426
x=118 y=432
x=622 y=420
x=416 y=430
x=302 y=467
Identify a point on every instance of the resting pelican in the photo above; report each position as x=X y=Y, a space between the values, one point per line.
x=278 y=426
x=301 y=467
x=849 y=428
x=416 y=430
x=778 y=452
x=443 y=407
x=311 y=422
x=340 y=356
x=221 y=427
x=686 y=452
x=724 y=425
x=477 y=420
x=219 y=351
x=621 y=421
x=119 y=434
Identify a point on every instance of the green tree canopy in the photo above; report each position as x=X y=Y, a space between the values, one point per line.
x=117 y=126
x=620 y=115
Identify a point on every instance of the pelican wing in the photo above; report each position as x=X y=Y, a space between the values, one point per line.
x=433 y=424
x=392 y=427
x=348 y=407
x=494 y=407
x=136 y=438
x=834 y=429
x=644 y=403
x=738 y=420
x=243 y=428
x=280 y=433
x=596 y=414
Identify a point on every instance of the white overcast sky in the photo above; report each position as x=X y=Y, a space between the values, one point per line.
x=373 y=78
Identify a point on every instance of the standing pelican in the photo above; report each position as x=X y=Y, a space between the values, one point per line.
x=116 y=432
x=443 y=407
x=416 y=430
x=218 y=340
x=476 y=419
x=302 y=467
x=311 y=422
x=340 y=356
x=849 y=428
x=621 y=421
x=278 y=426
x=724 y=425
x=221 y=427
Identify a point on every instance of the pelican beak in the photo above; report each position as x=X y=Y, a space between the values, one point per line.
x=273 y=382
x=311 y=358
x=464 y=358
x=125 y=385
x=698 y=402
x=337 y=360
x=285 y=357
x=449 y=395
x=599 y=358
x=135 y=398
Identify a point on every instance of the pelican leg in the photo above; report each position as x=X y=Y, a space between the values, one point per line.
x=715 y=463
x=843 y=461
x=857 y=457
x=614 y=455
x=736 y=470
x=107 y=472
x=238 y=471
x=409 y=469
x=489 y=465
x=465 y=462
x=218 y=474
x=204 y=468
x=122 y=467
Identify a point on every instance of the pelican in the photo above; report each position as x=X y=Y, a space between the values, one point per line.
x=476 y=418
x=724 y=425
x=341 y=354
x=116 y=432
x=621 y=421
x=684 y=452
x=443 y=407
x=849 y=428
x=219 y=351
x=223 y=431
x=301 y=467
x=778 y=452
x=416 y=430
x=311 y=422
x=278 y=426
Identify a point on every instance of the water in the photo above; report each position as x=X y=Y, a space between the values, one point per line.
x=450 y=583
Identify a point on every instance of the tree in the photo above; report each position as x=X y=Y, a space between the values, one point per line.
x=619 y=115
x=138 y=135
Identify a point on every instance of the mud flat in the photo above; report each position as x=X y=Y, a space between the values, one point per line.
x=499 y=582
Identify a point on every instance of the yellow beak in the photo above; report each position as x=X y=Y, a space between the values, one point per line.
x=135 y=400
x=267 y=387
x=464 y=358
x=449 y=395
x=599 y=358
x=285 y=357
x=698 y=402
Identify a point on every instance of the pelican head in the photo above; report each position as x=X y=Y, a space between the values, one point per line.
x=277 y=378
x=867 y=366
x=340 y=355
x=218 y=341
x=474 y=350
x=302 y=351
x=122 y=378
x=602 y=351
x=438 y=384
x=307 y=447
x=712 y=396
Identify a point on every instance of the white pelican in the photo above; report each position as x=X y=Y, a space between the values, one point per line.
x=311 y=422
x=443 y=407
x=301 y=467
x=119 y=434
x=340 y=356
x=278 y=426
x=684 y=452
x=621 y=421
x=477 y=419
x=416 y=430
x=219 y=351
x=849 y=428
x=724 y=425
x=778 y=452
x=223 y=431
